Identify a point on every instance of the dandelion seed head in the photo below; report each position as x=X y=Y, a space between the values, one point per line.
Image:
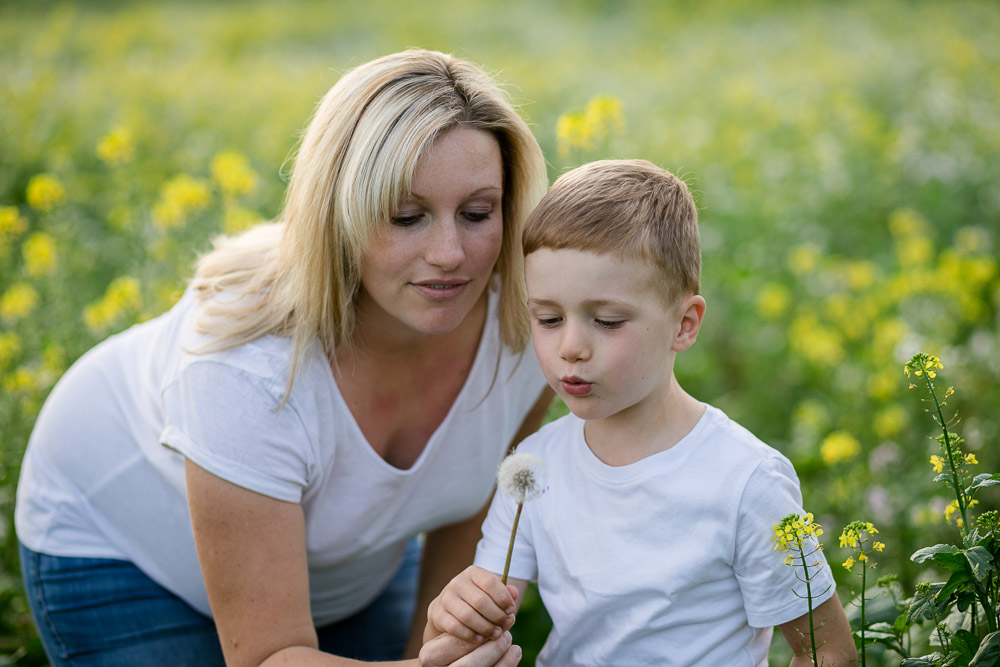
x=521 y=477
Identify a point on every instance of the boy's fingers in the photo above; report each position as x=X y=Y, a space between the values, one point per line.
x=450 y=651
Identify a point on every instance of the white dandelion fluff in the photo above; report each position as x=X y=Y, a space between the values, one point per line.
x=521 y=477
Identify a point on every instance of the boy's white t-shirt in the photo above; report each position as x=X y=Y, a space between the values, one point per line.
x=669 y=561
x=98 y=481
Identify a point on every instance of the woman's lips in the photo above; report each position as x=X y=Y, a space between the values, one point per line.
x=575 y=386
x=440 y=290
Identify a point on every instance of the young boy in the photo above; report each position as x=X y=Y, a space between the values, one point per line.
x=654 y=542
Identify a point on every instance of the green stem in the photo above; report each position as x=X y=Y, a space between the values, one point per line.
x=959 y=492
x=809 y=598
x=510 y=547
x=864 y=572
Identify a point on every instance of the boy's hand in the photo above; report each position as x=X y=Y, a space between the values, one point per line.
x=474 y=606
x=446 y=650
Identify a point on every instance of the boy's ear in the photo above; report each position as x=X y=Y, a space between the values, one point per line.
x=692 y=310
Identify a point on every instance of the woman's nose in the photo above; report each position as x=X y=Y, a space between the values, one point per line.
x=444 y=245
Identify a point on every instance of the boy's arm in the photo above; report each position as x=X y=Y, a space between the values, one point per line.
x=834 y=642
x=474 y=606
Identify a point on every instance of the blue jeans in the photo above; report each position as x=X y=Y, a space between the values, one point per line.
x=104 y=612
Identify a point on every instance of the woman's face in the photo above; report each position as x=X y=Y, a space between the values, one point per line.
x=430 y=263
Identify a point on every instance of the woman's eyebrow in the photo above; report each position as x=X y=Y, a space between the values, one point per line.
x=488 y=188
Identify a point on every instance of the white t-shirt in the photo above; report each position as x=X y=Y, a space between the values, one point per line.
x=668 y=561
x=97 y=480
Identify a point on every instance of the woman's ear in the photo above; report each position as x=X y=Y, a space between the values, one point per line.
x=692 y=310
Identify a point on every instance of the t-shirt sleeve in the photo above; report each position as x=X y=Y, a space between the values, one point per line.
x=227 y=421
x=772 y=591
x=491 y=552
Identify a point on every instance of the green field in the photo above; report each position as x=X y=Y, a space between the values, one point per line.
x=845 y=158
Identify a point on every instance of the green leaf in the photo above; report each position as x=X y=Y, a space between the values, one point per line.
x=964 y=644
x=924 y=605
x=959 y=580
x=943 y=477
x=982 y=480
x=923 y=661
x=921 y=555
x=989 y=652
x=980 y=562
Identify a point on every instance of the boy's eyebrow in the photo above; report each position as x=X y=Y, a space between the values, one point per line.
x=589 y=303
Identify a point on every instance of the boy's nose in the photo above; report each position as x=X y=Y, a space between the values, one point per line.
x=444 y=245
x=574 y=344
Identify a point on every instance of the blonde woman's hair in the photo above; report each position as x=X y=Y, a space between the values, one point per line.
x=628 y=208
x=300 y=277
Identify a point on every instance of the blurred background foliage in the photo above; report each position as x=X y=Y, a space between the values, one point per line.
x=844 y=157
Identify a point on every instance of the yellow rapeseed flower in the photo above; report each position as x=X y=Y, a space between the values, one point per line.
x=971 y=459
x=19 y=300
x=233 y=174
x=803 y=259
x=839 y=446
x=12 y=224
x=122 y=296
x=572 y=132
x=815 y=341
x=45 y=192
x=889 y=421
x=116 y=147
x=849 y=563
x=907 y=222
x=937 y=463
x=855 y=535
x=860 y=274
x=604 y=116
x=236 y=220
x=10 y=347
x=39 y=252
x=773 y=300
x=179 y=197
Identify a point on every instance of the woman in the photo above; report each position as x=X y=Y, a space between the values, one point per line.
x=329 y=387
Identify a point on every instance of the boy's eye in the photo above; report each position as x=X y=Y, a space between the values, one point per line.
x=609 y=324
x=548 y=321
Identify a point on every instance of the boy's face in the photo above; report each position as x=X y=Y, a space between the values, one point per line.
x=603 y=333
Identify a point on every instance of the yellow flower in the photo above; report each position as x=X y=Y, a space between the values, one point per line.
x=12 y=224
x=117 y=147
x=44 y=192
x=122 y=296
x=889 y=421
x=849 y=563
x=793 y=532
x=878 y=546
x=233 y=173
x=906 y=222
x=804 y=259
x=572 y=132
x=604 y=116
x=237 y=220
x=773 y=300
x=10 y=347
x=860 y=274
x=179 y=197
x=937 y=463
x=39 y=252
x=19 y=300
x=839 y=446
x=815 y=342
x=970 y=458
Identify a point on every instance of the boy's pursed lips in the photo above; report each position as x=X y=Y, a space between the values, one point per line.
x=576 y=386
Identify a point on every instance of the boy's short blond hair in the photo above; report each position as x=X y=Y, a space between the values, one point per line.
x=628 y=208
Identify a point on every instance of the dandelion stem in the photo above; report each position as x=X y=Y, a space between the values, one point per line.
x=510 y=547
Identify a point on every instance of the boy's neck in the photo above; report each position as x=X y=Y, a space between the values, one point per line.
x=645 y=430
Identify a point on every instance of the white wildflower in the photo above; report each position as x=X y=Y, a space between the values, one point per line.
x=521 y=477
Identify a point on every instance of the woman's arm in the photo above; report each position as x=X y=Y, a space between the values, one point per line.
x=834 y=642
x=252 y=554
x=449 y=550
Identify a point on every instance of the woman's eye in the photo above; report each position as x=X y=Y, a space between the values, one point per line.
x=477 y=216
x=407 y=219
x=609 y=324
